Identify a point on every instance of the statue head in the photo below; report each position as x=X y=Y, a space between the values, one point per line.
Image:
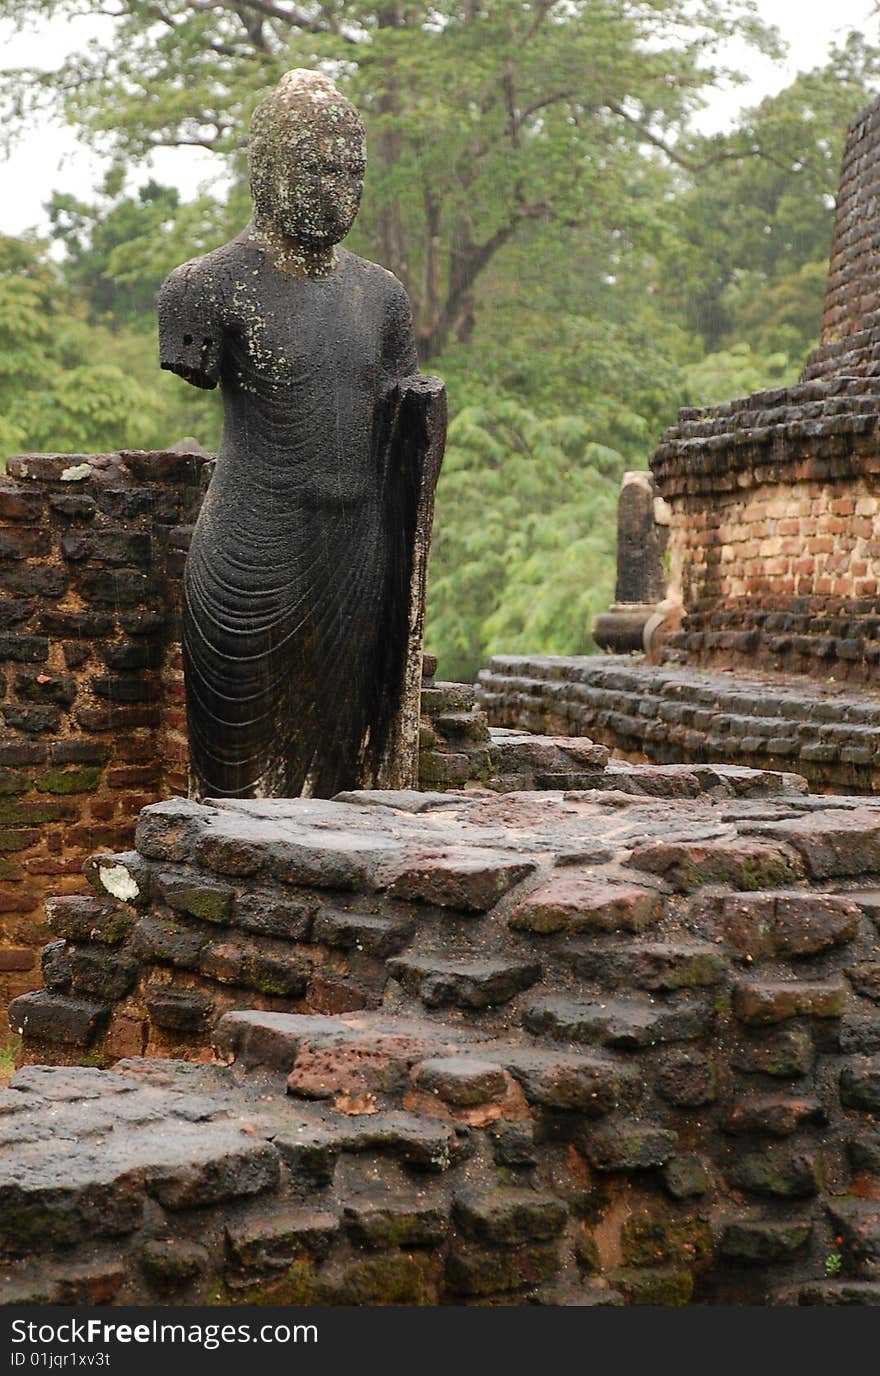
x=307 y=155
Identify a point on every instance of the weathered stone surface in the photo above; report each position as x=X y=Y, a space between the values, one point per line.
x=787 y=1054
x=463 y=983
x=685 y=1177
x=189 y=892
x=761 y=1242
x=662 y=1285
x=378 y=936
x=629 y=1147
x=578 y=904
x=788 y=924
x=771 y=1002
x=168 y=941
x=505 y=1218
x=172 y=1266
x=562 y=1080
x=773 y=1115
x=860 y=1085
x=863 y=1149
x=846 y=1292
x=267 y=913
x=179 y=1011
x=473 y=1270
x=101 y=973
x=272 y=1241
x=647 y=1240
x=743 y=864
x=401 y=1222
x=652 y=965
x=687 y=1079
x=471 y=882
x=64 y=1019
x=830 y=844
x=167 y=831
x=463 y=1081
x=626 y=1023
x=774 y=1174
x=858 y=1224
x=865 y=979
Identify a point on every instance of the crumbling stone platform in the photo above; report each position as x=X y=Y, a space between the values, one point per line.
x=829 y=732
x=599 y=1046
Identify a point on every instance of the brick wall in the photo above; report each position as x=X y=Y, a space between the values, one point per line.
x=774 y=497
x=850 y=340
x=773 y=544
x=92 y=714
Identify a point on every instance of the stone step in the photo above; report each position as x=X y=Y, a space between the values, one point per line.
x=624 y=1023
x=470 y=984
x=345 y=1057
x=448 y=697
x=523 y=753
x=578 y=903
x=462 y=729
x=652 y=965
x=866 y=899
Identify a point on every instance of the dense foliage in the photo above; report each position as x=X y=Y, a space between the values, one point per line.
x=580 y=262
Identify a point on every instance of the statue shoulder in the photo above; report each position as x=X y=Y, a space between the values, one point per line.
x=205 y=276
x=381 y=280
x=191 y=310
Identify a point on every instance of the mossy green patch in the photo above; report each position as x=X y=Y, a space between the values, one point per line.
x=653 y=1241
x=667 y=1286
x=393 y=1279
x=296 y=1286
x=18 y=814
x=11 y=782
x=211 y=904
x=63 y=781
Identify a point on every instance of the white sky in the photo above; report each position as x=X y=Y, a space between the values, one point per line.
x=50 y=159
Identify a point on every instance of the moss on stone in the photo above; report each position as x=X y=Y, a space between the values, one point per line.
x=667 y=1286
x=202 y=901
x=392 y=1279
x=586 y=1251
x=12 y=782
x=18 y=814
x=650 y=1241
x=67 y=781
x=479 y=1271
x=295 y=1286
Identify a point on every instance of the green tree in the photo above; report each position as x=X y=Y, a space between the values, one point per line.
x=483 y=118
x=118 y=248
x=66 y=384
x=524 y=539
x=749 y=237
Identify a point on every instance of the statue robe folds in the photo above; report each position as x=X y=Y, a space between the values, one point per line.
x=304 y=586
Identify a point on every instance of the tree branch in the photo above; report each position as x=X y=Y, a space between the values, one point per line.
x=689 y=164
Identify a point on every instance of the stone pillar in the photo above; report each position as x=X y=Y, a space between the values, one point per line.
x=642 y=532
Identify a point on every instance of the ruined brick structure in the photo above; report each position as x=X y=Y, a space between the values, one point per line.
x=615 y=1045
x=773 y=556
x=591 y=1032
x=93 y=723
x=773 y=537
